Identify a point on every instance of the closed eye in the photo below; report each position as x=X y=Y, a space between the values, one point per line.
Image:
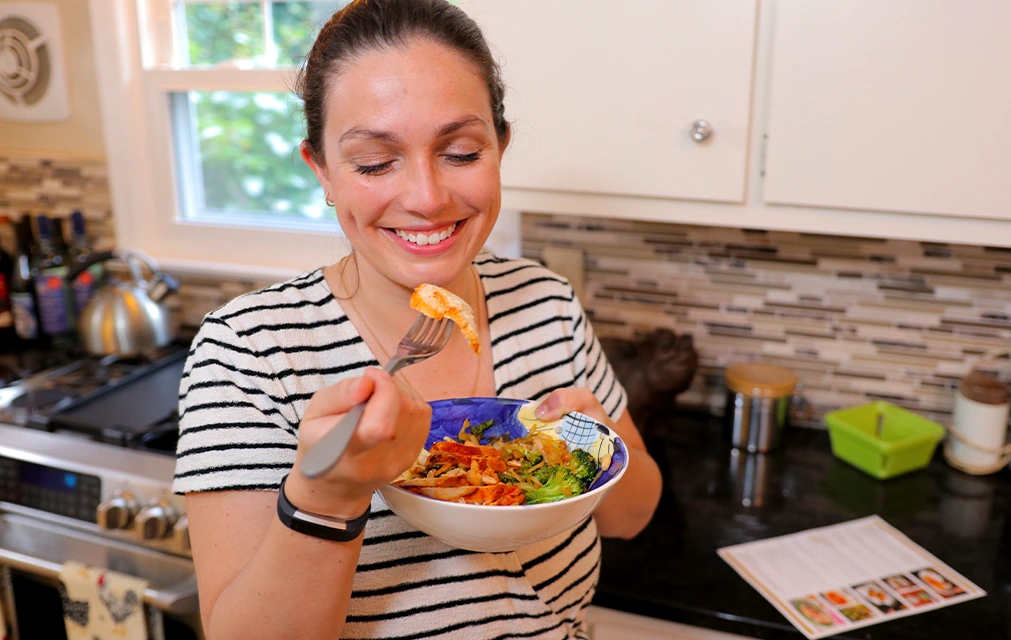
x=464 y=158
x=372 y=169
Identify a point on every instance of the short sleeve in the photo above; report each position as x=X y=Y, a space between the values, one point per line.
x=236 y=429
x=594 y=371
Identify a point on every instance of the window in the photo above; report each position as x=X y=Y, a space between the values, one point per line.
x=238 y=150
x=202 y=132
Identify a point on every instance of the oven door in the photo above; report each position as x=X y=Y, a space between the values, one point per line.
x=32 y=552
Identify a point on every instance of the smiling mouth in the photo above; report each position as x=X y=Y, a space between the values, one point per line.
x=423 y=239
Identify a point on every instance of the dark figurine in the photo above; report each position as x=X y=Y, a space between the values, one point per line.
x=654 y=368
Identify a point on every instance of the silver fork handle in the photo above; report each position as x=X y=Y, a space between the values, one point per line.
x=323 y=455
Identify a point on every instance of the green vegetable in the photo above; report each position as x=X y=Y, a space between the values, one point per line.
x=583 y=466
x=477 y=430
x=531 y=458
x=563 y=484
x=545 y=473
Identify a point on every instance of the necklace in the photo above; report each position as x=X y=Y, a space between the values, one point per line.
x=477 y=299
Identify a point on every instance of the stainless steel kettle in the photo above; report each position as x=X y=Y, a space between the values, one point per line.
x=127 y=317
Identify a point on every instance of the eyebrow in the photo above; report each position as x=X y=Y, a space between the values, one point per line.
x=386 y=136
x=453 y=127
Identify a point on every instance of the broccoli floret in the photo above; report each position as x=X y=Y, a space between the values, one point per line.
x=545 y=473
x=583 y=466
x=531 y=458
x=563 y=484
x=477 y=430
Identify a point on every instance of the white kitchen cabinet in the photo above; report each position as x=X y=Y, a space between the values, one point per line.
x=608 y=624
x=898 y=106
x=603 y=96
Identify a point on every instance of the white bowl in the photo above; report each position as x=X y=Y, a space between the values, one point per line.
x=506 y=528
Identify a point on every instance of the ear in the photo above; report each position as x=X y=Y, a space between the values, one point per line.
x=317 y=168
x=505 y=141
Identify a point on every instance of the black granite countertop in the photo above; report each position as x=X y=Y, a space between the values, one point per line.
x=714 y=498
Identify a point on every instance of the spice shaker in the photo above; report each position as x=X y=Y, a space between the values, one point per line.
x=759 y=399
x=978 y=434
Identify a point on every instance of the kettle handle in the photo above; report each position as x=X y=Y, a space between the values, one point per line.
x=161 y=284
x=95 y=258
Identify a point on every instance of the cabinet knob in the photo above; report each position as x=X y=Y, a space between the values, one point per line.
x=117 y=512
x=701 y=130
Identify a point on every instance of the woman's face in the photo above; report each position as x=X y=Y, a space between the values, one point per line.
x=412 y=161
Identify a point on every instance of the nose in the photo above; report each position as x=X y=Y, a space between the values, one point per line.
x=425 y=193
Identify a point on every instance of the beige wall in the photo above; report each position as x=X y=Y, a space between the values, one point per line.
x=81 y=135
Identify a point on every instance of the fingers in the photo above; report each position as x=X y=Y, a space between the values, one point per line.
x=562 y=401
x=380 y=418
x=340 y=397
x=392 y=406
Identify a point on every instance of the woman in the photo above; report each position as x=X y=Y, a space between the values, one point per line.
x=405 y=132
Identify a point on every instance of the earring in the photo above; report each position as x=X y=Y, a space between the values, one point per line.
x=327 y=200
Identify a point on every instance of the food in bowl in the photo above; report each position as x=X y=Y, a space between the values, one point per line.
x=479 y=527
x=436 y=302
x=532 y=469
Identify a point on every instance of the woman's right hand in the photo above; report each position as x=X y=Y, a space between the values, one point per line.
x=389 y=437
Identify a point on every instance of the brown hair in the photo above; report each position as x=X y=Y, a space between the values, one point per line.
x=372 y=25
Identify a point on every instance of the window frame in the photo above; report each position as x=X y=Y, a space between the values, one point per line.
x=144 y=167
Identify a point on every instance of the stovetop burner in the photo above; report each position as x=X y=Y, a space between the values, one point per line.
x=113 y=399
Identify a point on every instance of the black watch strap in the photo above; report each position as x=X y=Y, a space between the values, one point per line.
x=316 y=525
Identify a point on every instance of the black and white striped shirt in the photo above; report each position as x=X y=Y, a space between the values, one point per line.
x=256 y=363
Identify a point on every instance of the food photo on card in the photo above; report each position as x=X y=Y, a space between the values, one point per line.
x=833 y=579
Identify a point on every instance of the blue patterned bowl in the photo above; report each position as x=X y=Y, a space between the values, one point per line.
x=506 y=528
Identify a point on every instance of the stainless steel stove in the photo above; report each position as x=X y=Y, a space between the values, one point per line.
x=86 y=463
x=123 y=400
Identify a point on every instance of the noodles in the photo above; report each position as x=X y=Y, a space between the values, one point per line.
x=529 y=470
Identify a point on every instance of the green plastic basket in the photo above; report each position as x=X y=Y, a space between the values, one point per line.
x=907 y=440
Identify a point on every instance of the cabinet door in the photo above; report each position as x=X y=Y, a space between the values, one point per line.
x=602 y=96
x=894 y=106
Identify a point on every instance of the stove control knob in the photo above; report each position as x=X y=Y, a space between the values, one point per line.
x=181 y=533
x=155 y=520
x=117 y=512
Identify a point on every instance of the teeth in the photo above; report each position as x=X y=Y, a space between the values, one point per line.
x=423 y=240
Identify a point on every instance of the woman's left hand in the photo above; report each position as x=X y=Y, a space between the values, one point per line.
x=562 y=401
x=629 y=507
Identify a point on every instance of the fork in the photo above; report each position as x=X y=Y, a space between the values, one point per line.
x=424 y=339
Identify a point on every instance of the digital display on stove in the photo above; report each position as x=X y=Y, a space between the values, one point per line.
x=59 y=491
x=48 y=477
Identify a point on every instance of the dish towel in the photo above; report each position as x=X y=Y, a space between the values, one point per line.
x=102 y=605
x=8 y=624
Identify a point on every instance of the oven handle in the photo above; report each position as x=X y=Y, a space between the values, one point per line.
x=180 y=599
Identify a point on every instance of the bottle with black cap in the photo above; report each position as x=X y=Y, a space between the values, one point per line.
x=84 y=285
x=7 y=335
x=56 y=306
x=23 y=300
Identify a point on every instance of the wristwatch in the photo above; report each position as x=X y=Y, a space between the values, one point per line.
x=316 y=525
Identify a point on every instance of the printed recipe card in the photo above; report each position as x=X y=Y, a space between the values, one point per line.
x=834 y=579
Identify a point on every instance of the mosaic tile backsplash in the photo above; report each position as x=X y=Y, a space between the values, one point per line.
x=56 y=187
x=855 y=318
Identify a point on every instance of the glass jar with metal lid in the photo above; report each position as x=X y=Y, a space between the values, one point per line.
x=759 y=398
